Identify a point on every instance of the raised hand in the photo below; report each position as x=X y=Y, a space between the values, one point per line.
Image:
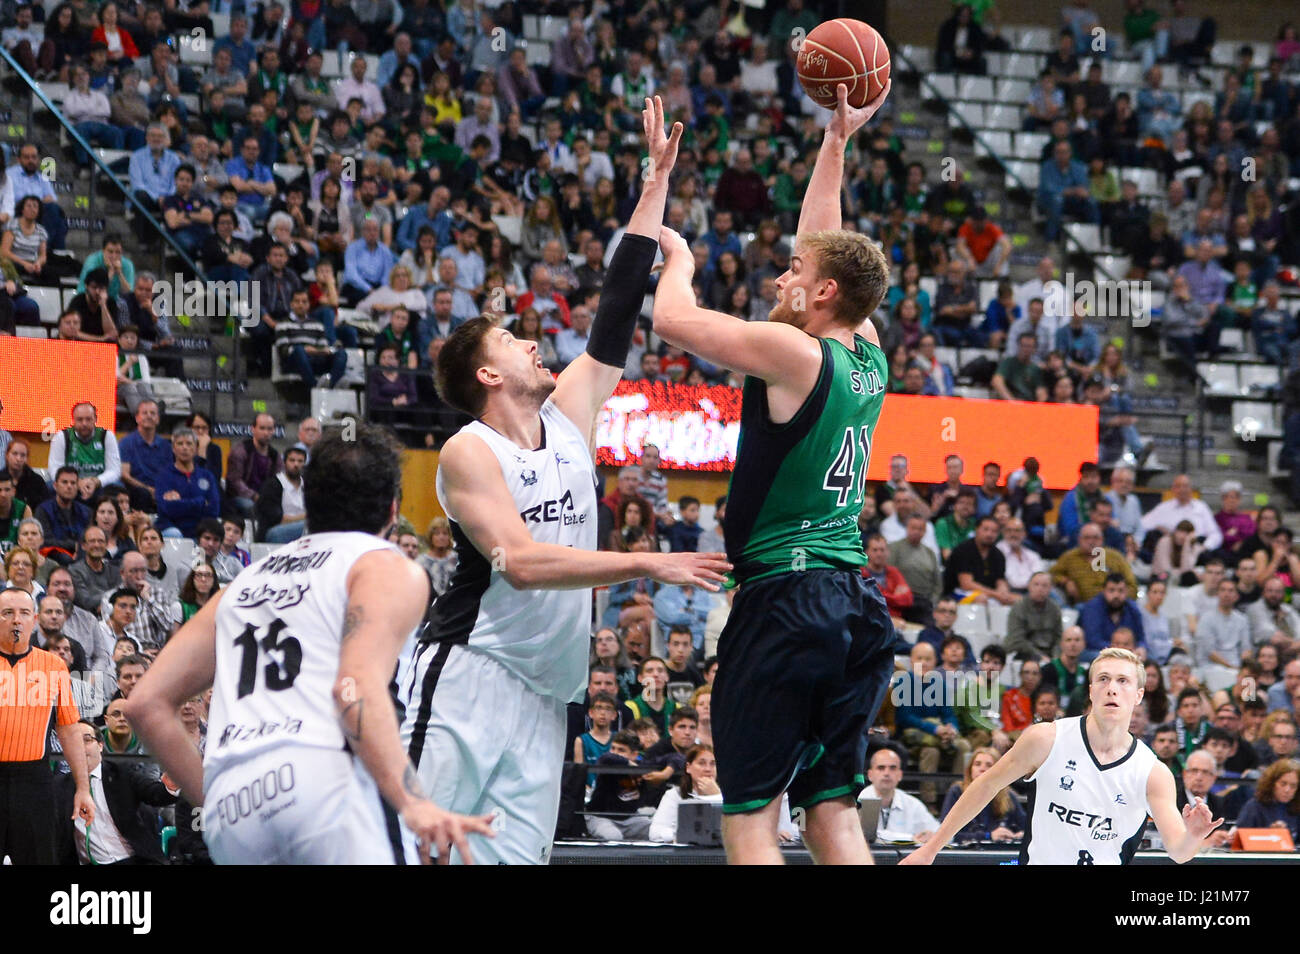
x=663 y=148
x=1199 y=820
x=846 y=119
x=674 y=248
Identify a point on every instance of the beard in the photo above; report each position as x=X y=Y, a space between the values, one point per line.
x=535 y=389
x=782 y=313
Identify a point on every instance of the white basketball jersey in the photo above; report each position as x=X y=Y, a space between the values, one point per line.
x=1082 y=812
x=542 y=636
x=278 y=631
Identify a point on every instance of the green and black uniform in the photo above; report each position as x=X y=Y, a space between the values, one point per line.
x=9 y=525
x=87 y=456
x=805 y=657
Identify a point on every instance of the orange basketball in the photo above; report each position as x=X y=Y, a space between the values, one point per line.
x=843 y=51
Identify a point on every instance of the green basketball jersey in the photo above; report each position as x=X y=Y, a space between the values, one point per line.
x=797 y=487
x=9 y=525
x=86 y=456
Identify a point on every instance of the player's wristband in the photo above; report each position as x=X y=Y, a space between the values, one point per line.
x=621 y=298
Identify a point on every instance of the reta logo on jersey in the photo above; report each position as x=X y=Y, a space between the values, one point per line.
x=1100 y=826
x=554 y=511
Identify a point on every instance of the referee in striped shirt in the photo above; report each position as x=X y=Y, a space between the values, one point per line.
x=35 y=696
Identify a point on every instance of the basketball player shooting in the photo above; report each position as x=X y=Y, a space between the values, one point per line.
x=806 y=652
x=1092 y=784
x=506 y=646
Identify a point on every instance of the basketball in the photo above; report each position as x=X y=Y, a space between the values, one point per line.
x=843 y=51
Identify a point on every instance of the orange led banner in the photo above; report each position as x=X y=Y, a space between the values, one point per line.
x=697 y=428
x=928 y=429
x=40 y=380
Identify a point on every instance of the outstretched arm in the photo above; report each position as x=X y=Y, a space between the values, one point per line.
x=765 y=349
x=821 y=205
x=1029 y=752
x=586 y=384
x=480 y=503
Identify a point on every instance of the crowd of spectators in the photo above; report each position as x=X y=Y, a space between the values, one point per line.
x=1044 y=586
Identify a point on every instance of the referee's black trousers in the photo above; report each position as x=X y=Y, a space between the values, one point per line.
x=27 y=812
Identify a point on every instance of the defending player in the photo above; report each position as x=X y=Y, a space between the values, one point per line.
x=805 y=655
x=1092 y=783
x=506 y=647
x=302 y=645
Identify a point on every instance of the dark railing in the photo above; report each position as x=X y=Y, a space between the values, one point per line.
x=96 y=161
x=167 y=244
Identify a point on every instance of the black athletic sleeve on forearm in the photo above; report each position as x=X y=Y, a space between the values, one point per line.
x=621 y=298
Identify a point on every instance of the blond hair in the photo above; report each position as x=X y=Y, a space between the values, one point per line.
x=1124 y=655
x=857 y=266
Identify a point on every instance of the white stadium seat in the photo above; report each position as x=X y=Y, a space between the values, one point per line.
x=1003 y=116
x=1234 y=338
x=972 y=114
x=328 y=404
x=1147 y=180
x=1275 y=466
x=178 y=551
x=998 y=615
x=1023 y=66
x=49 y=302
x=978 y=88
x=1220 y=379
x=1035 y=39
x=921 y=57
x=1012 y=90
x=1121 y=72
x=330 y=65
x=944 y=85
x=1026 y=172
x=1255 y=419
x=972 y=620
x=1029 y=145
x=1115 y=266
x=1086 y=234
x=538 y=53
x=552 y=28
x=1259 y=376
x=993 y=142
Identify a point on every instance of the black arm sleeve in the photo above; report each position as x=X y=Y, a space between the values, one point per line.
x=620 y=299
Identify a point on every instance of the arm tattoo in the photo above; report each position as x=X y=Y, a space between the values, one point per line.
x=352 y=621
x=411 y=782
x=353 y=732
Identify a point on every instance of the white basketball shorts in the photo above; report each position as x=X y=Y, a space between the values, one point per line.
x=483 y=743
